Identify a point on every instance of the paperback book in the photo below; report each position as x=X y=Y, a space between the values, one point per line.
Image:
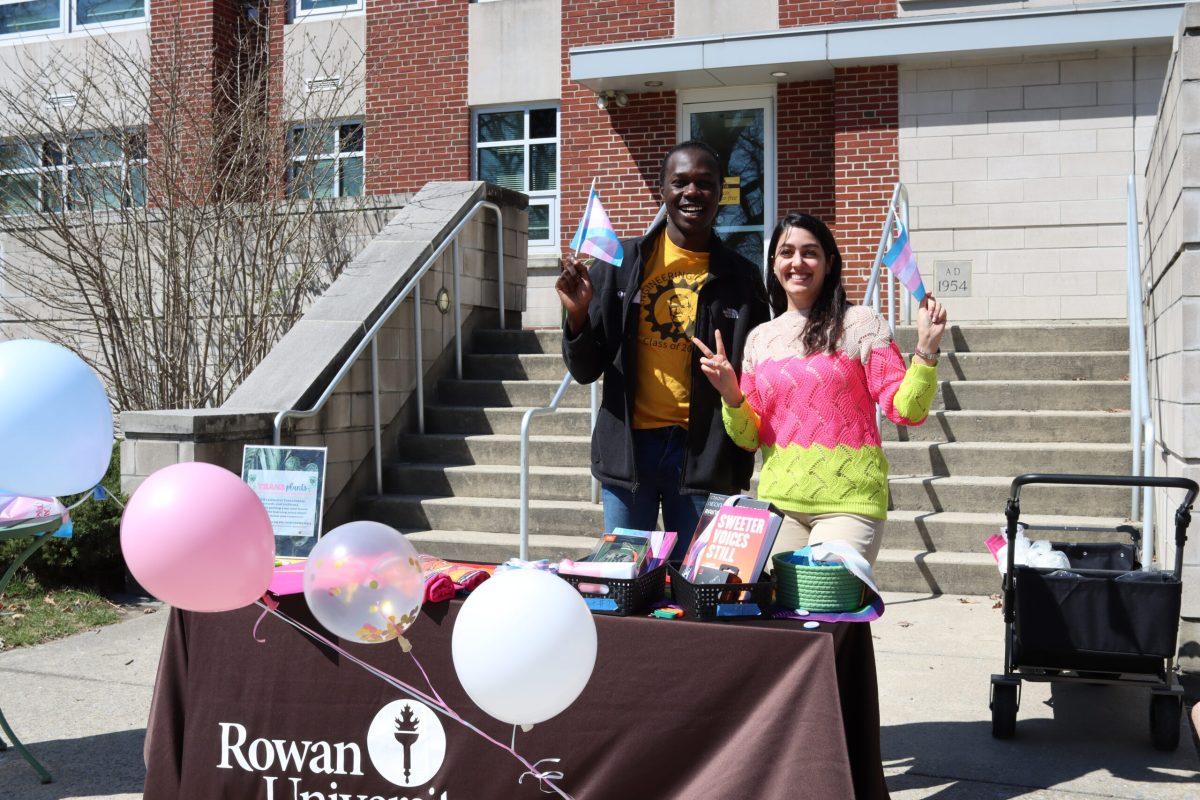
x=732 y=544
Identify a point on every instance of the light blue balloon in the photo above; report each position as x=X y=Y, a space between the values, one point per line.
x=56 y=426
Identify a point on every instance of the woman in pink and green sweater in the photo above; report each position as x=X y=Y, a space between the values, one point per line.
x=811 y=378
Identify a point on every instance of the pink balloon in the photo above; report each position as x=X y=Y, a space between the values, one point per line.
x=197 y=537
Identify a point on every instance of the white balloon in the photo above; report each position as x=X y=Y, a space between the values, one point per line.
x=524 y=646
x=56 y=426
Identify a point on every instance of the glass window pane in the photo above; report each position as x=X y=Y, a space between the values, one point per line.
x=502 y=126
x=503 y=166
x=352 y=138
x=352 y=177
x=318 y=5
x=17 y=155
x=18 y=194
x=34 y=15
x=52 y=154
x=51 y=186
x=96 y=188
x=543 y=123
x=312 y=141
x=89 y=12
x=324 y=175
x=137 y=185
x=539 y=223
x=543 y=168
x=95 y=149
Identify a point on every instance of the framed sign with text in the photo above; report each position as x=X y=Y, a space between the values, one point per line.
x=290 y=481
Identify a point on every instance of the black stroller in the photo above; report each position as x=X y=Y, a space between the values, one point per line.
x=1103 y=620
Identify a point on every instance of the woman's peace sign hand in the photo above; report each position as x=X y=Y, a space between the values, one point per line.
x=719 y=371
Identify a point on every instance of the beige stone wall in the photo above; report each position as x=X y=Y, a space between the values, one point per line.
x=1019 y=165
x=1171 y=268
x=515 y=52
x=703 y=17
x=327 y=47
x=300 y=367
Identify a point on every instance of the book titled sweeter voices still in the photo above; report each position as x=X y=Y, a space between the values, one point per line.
x=733 y=547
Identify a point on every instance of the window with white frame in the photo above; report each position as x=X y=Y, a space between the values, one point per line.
x=94 y=170
x=313 y=8
x=62 y=16
x=327 y=160
x=518 y=149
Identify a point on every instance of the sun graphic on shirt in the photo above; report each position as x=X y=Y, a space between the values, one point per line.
x=671 y=308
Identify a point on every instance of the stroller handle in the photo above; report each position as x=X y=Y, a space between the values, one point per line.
x=1106 y=480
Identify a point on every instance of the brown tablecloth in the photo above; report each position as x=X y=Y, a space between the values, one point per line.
x=674 y=709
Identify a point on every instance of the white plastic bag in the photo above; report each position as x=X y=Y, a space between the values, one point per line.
x=1032 y=554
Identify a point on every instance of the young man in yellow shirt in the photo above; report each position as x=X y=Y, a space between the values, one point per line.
x=659 y=440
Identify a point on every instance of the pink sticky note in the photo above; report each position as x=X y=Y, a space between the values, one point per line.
x=287 y=579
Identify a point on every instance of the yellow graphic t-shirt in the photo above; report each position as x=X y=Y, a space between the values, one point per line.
x=671 y=284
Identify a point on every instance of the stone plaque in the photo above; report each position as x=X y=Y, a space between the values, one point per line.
x=951 y=279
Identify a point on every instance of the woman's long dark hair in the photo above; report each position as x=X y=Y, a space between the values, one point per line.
x=827 y=316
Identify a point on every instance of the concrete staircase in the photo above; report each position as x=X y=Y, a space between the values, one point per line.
x=1013 y=399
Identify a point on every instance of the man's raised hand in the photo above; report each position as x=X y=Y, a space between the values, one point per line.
x=574 y=288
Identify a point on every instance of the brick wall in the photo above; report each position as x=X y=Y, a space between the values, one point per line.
x=866 y=162
x=418 y=122
x=794 y=13
x=804 y=131
x=620 y=146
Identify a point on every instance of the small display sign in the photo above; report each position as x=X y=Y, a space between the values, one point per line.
x=951 y=279
x=731 y=192
x=290 y=481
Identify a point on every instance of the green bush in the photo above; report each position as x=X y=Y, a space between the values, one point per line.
x=92 y=557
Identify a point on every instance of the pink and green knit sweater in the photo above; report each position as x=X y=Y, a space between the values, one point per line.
x=814 y=415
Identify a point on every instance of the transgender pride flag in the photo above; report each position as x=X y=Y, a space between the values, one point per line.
x=900 y=260
x=596 y=236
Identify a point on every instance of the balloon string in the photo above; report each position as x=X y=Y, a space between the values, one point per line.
x=544 y=778
x=270 y=604
x=425 y=675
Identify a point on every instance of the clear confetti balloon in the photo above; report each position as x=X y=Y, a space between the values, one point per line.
x=363 y=582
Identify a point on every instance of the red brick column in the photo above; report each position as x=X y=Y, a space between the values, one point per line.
x=794 y=13
x=418 y=122
x=804 y=136
x=866 y=163
x=193 y=51
x=621 y=146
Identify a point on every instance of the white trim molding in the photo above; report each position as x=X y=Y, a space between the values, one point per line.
x=812 y=52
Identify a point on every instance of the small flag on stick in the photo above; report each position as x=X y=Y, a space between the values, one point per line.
x=900 y=260
x=596 y=236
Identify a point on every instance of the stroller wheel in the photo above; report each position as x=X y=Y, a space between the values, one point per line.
x=1004 y=710
x=1165 y=713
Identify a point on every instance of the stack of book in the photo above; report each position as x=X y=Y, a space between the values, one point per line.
x=623 y=554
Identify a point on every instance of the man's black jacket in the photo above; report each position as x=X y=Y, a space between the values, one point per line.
x=732 y=300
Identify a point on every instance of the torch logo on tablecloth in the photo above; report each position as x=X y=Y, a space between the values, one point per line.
x=407 y=743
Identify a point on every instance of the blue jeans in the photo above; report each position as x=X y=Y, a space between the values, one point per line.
x=659 y=454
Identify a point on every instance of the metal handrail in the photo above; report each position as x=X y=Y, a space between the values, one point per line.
x=413 y=287
x=1141 y=418
x=898 y=202
x=553 y=406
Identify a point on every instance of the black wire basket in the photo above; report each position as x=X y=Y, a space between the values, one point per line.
x=620 y=597
x=721 y=601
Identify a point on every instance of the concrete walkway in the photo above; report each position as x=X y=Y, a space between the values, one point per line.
x=82 y=705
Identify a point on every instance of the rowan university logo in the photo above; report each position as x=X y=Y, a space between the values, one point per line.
x=670 y=307
x=407 y=743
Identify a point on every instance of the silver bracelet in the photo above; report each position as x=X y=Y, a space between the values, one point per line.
x=931 y=357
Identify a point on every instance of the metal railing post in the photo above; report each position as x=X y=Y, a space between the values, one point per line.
x=375 y=414
x=523 y=519
x=458 y=348
x=595 y=401
x=419 y=359
x=500 y=261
